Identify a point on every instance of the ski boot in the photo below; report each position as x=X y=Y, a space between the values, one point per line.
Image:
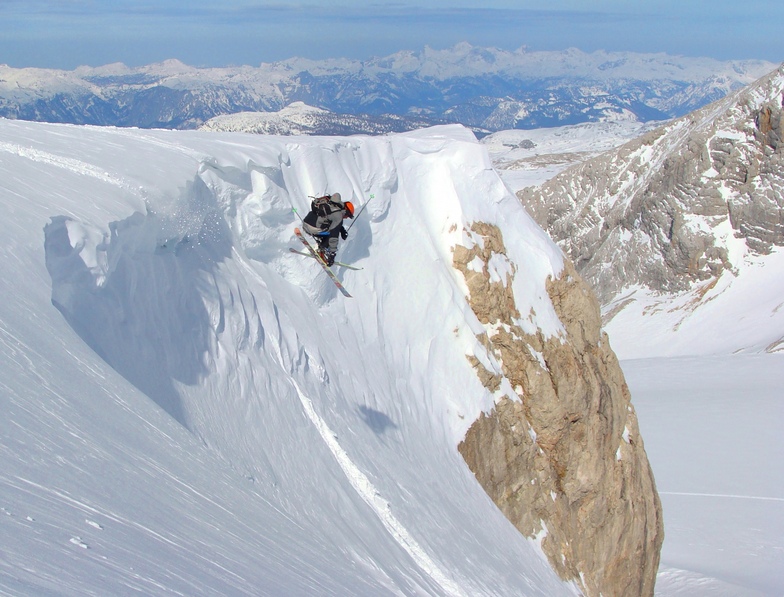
x=327 y=255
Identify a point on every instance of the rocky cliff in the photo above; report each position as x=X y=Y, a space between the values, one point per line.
x=563 y=459
x=679 y=205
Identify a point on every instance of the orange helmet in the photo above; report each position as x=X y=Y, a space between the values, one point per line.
x=349 y=208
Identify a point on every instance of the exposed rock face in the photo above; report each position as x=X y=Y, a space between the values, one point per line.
x=564 y=457
x=665 y=211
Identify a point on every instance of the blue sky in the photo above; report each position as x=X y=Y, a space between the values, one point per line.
x=69 y=33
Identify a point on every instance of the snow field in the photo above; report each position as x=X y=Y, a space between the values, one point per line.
x=712 y=430
x=193 y=409
x=741 y=312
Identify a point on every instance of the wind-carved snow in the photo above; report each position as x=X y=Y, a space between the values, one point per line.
x=206 y=396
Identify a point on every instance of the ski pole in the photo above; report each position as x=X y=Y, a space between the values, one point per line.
x=361 y=209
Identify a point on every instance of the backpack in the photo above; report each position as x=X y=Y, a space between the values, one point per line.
x=324 y=206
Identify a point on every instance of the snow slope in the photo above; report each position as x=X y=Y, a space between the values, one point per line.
x=191 y=409
x=527 y=158
x=741 y=312
x=712 y=428
x=299 y=118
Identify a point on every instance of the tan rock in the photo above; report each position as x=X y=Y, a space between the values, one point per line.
x=565 y=457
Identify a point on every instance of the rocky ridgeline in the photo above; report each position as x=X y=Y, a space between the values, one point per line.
x=678 y=205
x=563 y=459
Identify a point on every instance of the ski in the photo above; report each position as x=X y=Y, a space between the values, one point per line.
x=321 y=262
x=340 y=263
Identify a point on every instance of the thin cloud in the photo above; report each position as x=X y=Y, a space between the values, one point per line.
x=239 y=31
x=243 y=13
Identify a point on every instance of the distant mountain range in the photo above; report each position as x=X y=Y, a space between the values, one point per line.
x=486 y=89
x=300 y=119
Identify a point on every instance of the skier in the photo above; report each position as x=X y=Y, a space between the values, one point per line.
x=325 y=223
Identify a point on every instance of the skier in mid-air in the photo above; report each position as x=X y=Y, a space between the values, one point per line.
x=325 y=223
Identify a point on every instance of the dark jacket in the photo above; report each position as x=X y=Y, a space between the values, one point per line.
x=326 y=214
x=325 y=220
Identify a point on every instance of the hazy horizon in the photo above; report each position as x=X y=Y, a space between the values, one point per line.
x=47 y=34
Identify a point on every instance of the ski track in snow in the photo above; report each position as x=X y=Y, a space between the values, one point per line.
x=373 y=498
x=723 y=495
x=61 y=162
x=370 y=495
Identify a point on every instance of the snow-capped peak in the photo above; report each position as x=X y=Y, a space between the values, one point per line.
x=690 y=211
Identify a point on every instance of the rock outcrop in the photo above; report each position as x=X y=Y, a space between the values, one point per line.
x=563 y=459
x=678 y=205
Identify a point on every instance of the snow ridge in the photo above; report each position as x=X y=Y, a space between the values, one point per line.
x=168 y=363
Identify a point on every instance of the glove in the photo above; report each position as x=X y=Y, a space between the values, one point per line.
x=343 y=233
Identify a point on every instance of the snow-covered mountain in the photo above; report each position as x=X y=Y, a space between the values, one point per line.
x=527 y=158
x=190 y=408
x=300 y=119
x=680 y=231
x=486 y=89
x=723 y=498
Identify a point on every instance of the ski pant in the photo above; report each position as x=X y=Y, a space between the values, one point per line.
x=327 y=240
